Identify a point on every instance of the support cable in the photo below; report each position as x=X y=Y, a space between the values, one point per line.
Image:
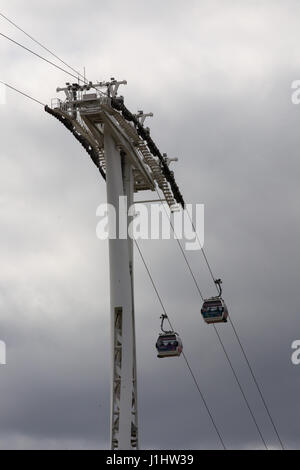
x=42 y=45
x=22 y=93
x=40 y=56
x=258 y=387
x=84 y=80
x=241 y=389
x=219 y=338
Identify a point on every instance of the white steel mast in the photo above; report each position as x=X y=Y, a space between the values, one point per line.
x=119 y=179
x=128 y=159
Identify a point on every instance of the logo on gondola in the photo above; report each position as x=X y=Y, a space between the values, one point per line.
x=296 y=354
x=151 y=222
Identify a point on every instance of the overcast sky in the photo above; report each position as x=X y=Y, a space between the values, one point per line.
x=217 y=75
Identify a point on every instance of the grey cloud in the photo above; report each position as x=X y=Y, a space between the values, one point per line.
x=217 y=77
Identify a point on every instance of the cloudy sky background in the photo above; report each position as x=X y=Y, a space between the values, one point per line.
x=217 y=75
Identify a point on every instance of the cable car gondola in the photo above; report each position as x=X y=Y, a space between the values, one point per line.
x=168 y=343
x=214 y=310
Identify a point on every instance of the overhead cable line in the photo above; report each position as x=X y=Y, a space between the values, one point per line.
x=241 y=389
x=185 y=358
x=84 y=80
x=40 y=56
x=22 y=93
x=240 y=344
x=257 y=385
x=41 y=45
x=181 y=249
x=219 y=338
